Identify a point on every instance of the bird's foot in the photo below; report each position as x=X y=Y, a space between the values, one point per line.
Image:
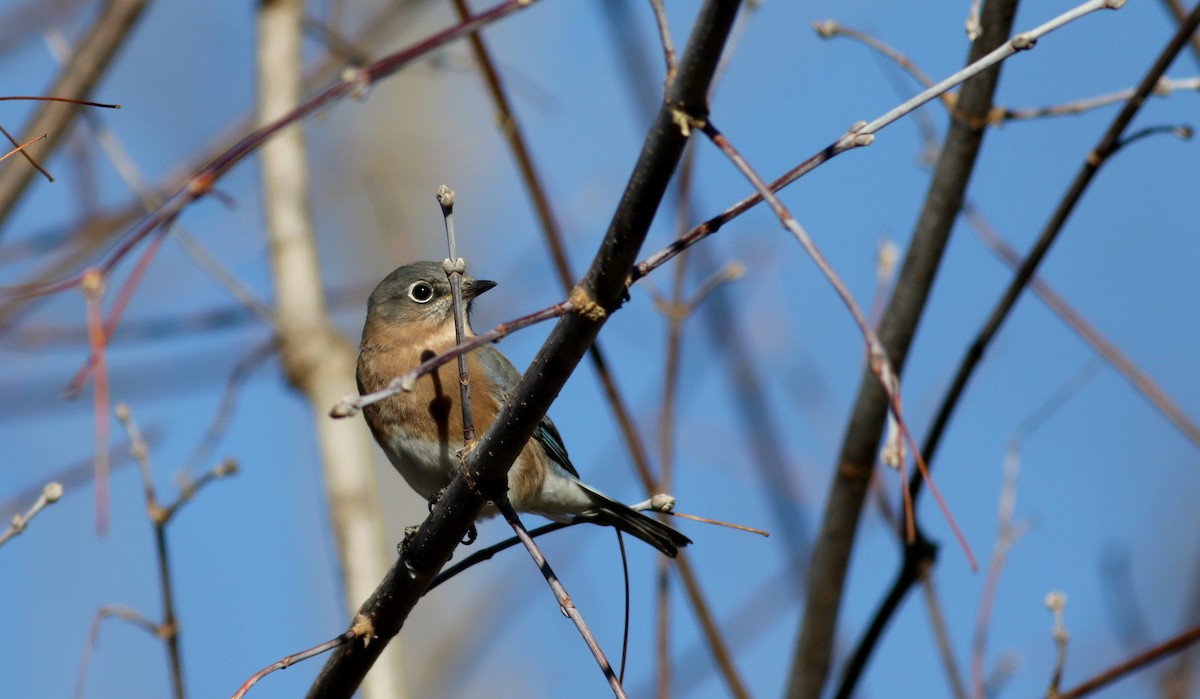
x=409 y=534
x=437 y=497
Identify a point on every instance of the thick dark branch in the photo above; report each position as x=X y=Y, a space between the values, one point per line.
x=831 y=555
x=604 y=288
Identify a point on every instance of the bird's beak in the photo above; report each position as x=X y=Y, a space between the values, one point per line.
x=475 y=287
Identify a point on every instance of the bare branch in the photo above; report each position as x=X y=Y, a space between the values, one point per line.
x=599 y=294
x=858 y=454
x=356 y=631
x=1163 y=650
x=560 y=593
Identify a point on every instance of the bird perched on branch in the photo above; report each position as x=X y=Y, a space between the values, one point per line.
x=410 y=318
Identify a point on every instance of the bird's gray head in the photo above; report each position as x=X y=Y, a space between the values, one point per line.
x=419 y=293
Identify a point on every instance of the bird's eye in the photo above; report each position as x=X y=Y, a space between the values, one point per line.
x=421 y=292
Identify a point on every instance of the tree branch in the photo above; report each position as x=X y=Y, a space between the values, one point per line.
x=600 y=293
x=831 y=555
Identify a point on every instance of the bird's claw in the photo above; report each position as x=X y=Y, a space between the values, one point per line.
x=437 y=497
x=409 y=534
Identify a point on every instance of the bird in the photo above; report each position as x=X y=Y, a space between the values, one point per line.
x=410 y=318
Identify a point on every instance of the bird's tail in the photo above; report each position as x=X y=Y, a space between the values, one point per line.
x=605 y=510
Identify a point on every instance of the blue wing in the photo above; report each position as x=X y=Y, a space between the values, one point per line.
x=504 y=376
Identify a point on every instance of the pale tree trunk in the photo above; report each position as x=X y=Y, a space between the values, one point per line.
x=318 y=360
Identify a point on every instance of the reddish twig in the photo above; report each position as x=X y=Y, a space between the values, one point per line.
x=20 y=148
x=1137 y=662
x=124 y=296
x=878 y=361
x=200 y=184
x=290 y=660
x=863 y=133
x=93 y=290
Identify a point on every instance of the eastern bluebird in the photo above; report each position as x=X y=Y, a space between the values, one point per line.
x=410 y=318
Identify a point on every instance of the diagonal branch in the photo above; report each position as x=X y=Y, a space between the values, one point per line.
x=600 y=293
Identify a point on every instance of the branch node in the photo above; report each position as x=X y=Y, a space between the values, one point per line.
x=201 y=184
x=686 y=122
x=363 y=628
x=1023 y=41
x=92 y=283
x=583 y=304
x=360 y=81
x=662 y=502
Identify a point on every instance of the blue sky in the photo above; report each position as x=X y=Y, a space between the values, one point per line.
x=1105 y=479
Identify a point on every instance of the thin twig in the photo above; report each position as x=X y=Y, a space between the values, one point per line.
x=1094 y=160
x=1179 y=12
x=862 y=133
x=168 y=630
x=1056 y=602
x=664 y=37
x=229 y=398
x=160 y=517
x=858 y=454
x=1008 y=532
x=998 y=115
x=20 y=148
x=831 y=28
x=290 y=660
x=108 y=326
x=488 y=552
x=560 y=593
x=675 y=313
x=941 y=634
x=719 y=523
x=50 y=494
x=1162 y=650
x=878 y=361
x=74 y=82
x=95 y=233
x=551 y=230
x=67 y=100
x=1112 y=354
x=350 y=405
x=1028 y=267
x=1163 y=88
x=93 y=290
x=200 y=183
x=598 y=294
x=628 y=605
x=455 y=266
x=107 y=612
